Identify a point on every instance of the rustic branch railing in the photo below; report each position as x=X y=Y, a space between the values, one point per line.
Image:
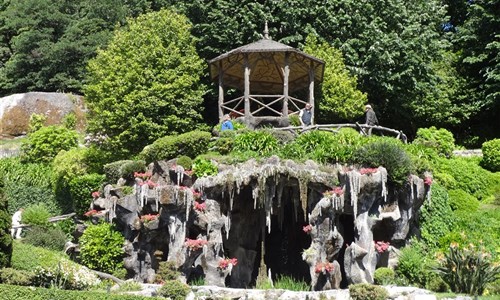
x=236 y=107
x=51 y=220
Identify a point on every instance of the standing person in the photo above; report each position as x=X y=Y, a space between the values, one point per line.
x=305 y=115
x=226 y=123
x=370 y=117
x=16 y=220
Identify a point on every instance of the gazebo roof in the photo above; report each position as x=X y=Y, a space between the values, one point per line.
x=266 y=59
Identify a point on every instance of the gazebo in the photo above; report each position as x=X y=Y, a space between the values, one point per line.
x=268 y=73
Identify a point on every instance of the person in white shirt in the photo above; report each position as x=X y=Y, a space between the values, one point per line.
x=16 y=220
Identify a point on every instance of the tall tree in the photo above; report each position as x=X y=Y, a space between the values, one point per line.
x=146 y=83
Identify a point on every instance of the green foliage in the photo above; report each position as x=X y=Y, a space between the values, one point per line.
x=36 y=214
x=260 y=141
x=468 y=269
x=37 y=121
x=128 y=169
x=81 y=189
x=146 y=83
x=461 y=200
x=69 y=121
x=190 y=144
x=44 y=144
x=390 y=155
x=123 y=169
x=440 y=139
x=15 y=277
x=223 y=145
x=384 y=276
x=70 y=164
x=31 y=293
x=5 y=224
x=289 y=283
x=203 y=167
x=491 y=155
x=52 y=238
x=437 y=284
x=174 y=290
x=436 y=217
x=340 y=99
x=166 y=271
x=185 y=161
x=294 y=120
x=423 y=158
x=129 y=286
x=362 y=291
x=466 y=175
x=101 y=248
x=414 y=265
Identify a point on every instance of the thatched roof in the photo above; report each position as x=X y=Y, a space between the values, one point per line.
x=267 y=60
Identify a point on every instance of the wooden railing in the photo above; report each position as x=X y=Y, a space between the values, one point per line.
x=236 y=107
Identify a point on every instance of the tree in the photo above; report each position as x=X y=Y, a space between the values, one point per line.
x=145 y=84
x=339 y=100
x=5 y=224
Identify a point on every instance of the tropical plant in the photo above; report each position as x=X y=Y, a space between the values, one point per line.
x=146 y=83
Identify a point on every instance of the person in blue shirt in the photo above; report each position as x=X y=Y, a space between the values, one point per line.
x=226 y=123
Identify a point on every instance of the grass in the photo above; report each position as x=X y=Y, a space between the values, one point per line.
x=11 y=144
x=27 y=257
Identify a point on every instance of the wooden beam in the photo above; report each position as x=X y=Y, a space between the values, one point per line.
x=221 y=90
x=286 y=74
x=247 y=90
x=311 y=90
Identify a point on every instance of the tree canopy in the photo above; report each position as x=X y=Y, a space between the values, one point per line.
x=146 y=83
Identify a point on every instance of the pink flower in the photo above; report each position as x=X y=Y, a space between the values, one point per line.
x=224 y=263
x=151 y=184
x=196 y=194
x=324 y=268
x=189 y=172
x=381 y=246
x=195 y=244
x=337 y=191
x=428 y=180
x=307 y=229
x=368 y=171
x=200 y=206
x=143 y=176
x=149 y=217
x=96 y=194
x=90 y=213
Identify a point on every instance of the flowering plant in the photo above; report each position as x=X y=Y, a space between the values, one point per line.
x=381 y=246
x=196 y=194
x=225 y=263
x=428 y=180
x=96 y=194
x=150 y=183
x=149 y=217
x=307 y=229
x=195 y=244
x=324 y=268
x=90 y=213
x=200 y=206
x=189 y=172
x=143 y=176
x=368 y=171
x=336 y=191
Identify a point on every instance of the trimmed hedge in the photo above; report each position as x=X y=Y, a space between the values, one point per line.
x=81 y=189
x=191 y=144
x=491 y=155
x=123 y=169
x=30 y=293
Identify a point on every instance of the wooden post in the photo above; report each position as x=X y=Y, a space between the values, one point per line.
x=284 y=112
x=221 y=90
x=247 y=90
x=311 y=90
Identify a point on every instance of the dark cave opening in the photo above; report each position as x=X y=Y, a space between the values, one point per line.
x=285 y=243
x=346 y=229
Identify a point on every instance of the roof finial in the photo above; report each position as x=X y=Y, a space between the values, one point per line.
x=266 y=31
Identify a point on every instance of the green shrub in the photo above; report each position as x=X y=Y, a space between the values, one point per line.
x=28 y=257
x=291 y=284
x=392 y=156
x=460 y=200
x=166 y=271
x=70 y=164
x=81 y=189
x=491 y=155
x=282 y=136
x=436 y=217
x=422 y=157
x=190 y=144
x=436 y=284
x=185 y=162
x=52 y=238
x=384 y=276
x=203 y=167
x=129 y=286
x=26 y=184
x=345 y=143
x=5 y=224
x=260 y=141
x=36 y=214
x=293 y=151
x=440 y=139
x=44 y=144
x=68 y=226
x=123 y=169
x=174 y=290
x=30 y=293
x=223 y=145
x=414 y=265
x=294 y=120
x=363 y=291
x=37 y=121
x=15 y=277
x=101 y=248
x=69 y=121
x=468 y=269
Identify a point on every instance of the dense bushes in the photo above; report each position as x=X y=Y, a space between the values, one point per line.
x=262 y=142
x=190 y=144
x=440 y=139
x=101 y=248
x=363 y=291
x=36 y=214
x=53 y=238
x=29 y=293
x=174 y=290
x=491 y=155
x=44 y=144
x=123 y=168
x=461 y=200
x=5 y=224
x=384 y=276
x=81 y=189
